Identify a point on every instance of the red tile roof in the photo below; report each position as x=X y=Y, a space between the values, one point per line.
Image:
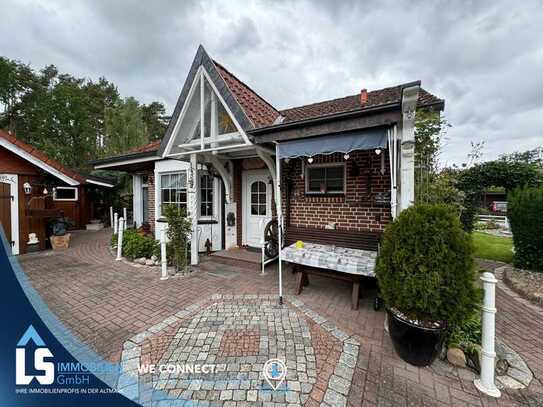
x=257 y=110
x=350 y=103
x=146 y=148
x=42 y=157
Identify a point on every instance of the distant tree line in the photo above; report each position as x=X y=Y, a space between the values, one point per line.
x=73 y=120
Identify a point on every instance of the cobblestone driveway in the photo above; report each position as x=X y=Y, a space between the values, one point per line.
x=106 y=302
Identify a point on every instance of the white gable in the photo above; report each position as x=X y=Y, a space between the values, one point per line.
x=205 y=122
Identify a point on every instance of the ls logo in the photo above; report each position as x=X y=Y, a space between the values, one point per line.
x=40 y=353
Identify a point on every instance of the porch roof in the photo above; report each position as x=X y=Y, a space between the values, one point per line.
x=366 y=139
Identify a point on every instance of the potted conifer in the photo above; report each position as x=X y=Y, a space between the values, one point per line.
x=426 y=274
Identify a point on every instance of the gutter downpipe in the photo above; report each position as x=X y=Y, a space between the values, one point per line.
x=279 y=220
x=392 y=151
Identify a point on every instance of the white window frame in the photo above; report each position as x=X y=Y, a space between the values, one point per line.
x=325 y=165
x=213 y=192
x=66 y=199
x=160 y=187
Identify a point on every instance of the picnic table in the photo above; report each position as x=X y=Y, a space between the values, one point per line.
x=331 y=261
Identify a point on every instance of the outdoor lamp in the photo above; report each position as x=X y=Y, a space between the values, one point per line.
x=45 y=191
x=28 y=188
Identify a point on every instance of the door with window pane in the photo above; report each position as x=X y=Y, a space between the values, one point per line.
x=257 y=206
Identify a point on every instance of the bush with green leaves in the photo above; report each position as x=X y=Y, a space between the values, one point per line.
x=179 y=226
x=136 y=245
x=525 y=213
x=425 y=266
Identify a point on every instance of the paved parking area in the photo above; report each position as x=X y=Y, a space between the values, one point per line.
x=106 y=303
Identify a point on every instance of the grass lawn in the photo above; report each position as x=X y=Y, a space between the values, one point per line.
x=493 y=247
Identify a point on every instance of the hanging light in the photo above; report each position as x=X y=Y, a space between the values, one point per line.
x=45 y=191
x=310 y=160
x=347 y=156
x=378 y=151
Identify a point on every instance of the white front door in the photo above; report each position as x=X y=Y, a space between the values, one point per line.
x=257 y=196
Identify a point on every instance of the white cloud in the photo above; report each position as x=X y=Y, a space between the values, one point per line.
x=484 y=58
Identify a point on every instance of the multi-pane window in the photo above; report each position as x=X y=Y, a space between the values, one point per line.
x=173 y=189
x=206 y=195
x=325 y=179
x=258 y=198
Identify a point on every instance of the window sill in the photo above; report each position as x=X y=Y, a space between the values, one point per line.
x=325 y=195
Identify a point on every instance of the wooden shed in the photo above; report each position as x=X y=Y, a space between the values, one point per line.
x=35 y=189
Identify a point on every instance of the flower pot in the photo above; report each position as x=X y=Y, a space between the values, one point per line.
x=416 y=344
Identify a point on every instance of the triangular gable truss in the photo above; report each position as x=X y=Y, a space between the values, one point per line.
x=204 y=65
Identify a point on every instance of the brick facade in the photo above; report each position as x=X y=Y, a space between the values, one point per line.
x=365 y=205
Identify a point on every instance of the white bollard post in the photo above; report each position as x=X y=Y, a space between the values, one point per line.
x=115 y=223
x=488 y=355
x=125 y=217
x=111 y=216
x=120 y=240
x=163 y=256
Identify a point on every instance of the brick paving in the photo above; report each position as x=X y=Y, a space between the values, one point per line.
x=106 y=302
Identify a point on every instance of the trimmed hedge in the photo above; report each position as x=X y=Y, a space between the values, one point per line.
x=525 y=213
x=425 y=266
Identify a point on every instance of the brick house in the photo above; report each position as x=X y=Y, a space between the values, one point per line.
x=345 y=164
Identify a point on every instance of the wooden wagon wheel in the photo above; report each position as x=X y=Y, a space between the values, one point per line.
x=271 y=239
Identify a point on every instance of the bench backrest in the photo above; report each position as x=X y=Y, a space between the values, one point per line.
x=340 y=238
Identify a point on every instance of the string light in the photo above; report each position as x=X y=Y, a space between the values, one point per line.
x=346 y=156
x=310 y=160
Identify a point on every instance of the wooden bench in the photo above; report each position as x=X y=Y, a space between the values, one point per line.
x=339 y=238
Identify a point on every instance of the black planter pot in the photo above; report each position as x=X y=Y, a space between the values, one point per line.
x=416 y=345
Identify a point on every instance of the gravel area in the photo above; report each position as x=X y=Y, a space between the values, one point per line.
x=529 y=284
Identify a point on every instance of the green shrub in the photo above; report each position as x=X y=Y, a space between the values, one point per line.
x=136 y=245
x=425 y=266
x=179 y=226
x=525 y=213
x=466 y=335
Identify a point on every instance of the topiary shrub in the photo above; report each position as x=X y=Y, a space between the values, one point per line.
x=425 y=266
x=179 y=227
x=525 y=213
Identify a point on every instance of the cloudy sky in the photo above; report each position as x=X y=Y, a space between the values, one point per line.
x=484 y=57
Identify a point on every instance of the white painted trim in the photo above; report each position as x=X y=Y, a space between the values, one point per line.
x=238 y=126
x=126 y=162
x=67 y=199
x=235 y=147
x=13 y=181
x=182 y=114
x=37 y=162
x=137 y=199
x=103 y=184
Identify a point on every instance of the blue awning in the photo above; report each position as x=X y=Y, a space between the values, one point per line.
x=367 y=139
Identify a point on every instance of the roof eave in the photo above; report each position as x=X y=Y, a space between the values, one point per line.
x=126 y=157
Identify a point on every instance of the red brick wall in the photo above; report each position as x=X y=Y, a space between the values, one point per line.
x=357 y=210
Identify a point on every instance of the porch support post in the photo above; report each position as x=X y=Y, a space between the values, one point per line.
x=279 y=221
x=410 y=96
x=192 y=204
x=137 y=200
x=264 y=156
x=226 y=177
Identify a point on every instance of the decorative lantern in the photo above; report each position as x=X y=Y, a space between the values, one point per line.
x=27 y=188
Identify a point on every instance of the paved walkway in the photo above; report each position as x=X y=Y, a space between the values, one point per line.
x=106 y=302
